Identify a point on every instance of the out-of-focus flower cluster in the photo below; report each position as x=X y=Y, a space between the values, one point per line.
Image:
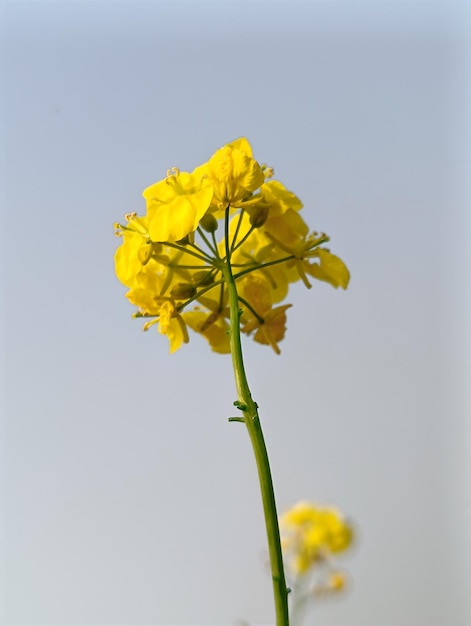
x=311 y=538
x=226 y=211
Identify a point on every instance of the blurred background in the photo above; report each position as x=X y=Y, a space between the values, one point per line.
x=129 y=498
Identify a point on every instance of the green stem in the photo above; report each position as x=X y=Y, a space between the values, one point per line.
x=252 y=421
x=206 y=258
x=237 y=230
x=258 y=317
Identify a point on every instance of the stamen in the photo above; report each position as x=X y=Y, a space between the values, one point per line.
x=302 y=275
x=147 y=325
x=173 y=171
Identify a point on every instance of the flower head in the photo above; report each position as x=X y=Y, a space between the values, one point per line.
x=172 y=259
x=312 y=534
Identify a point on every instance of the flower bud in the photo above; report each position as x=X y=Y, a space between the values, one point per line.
x=203 y=278
x=209 y=223
x=268 y=172
x=182 y=291
x=258 y=215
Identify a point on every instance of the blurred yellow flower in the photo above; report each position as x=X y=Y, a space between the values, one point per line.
x=337 y=581
x=311 y=534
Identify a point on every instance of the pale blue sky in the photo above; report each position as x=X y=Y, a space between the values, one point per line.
x=129 y=498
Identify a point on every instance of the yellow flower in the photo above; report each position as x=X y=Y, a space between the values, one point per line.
x=269 y=324
x=176 y=204
x=134 y=252
x=288 y=230
x=145 y=295
x=213 y=326
x=172 y=325
x=272 y=330
x=311 y=534
x=233 y=173
x=279 y=198
x=170 y=258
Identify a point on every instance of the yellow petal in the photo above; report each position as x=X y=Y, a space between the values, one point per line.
x=234 y=174
x=176 y=205
x=288 y=230
x=213 y=330
x=331 y=269
x=272 y=331
x=280 y=199
x=243 y=145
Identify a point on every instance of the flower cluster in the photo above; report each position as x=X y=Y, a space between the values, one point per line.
x=175 y=265
x=311 y=536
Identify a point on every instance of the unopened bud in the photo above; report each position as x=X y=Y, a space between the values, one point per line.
x=156 y=248
x=203 y=278
x=268 y=172
x=182 y=291
x=209 y=223
x=258 y=216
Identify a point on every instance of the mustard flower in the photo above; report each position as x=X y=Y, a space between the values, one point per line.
x=172 y=258
x=135 y=251
x=216 y=252
x=312 y=534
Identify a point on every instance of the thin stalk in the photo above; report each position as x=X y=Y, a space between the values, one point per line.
x=244 y=238
x=236 y=234
x=263 y=265
x=199 y=294
x=204 y=258
x=259 y=266
x=258 y=317
x=206 y=241
x=215 y=244
x=252 y=421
